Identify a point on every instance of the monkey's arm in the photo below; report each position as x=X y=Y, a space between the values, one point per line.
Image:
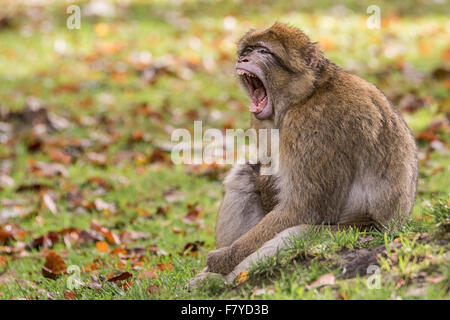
x=241 y=208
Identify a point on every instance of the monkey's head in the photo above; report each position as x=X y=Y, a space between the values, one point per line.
x=277 y=67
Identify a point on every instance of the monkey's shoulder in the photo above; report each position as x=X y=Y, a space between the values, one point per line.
x=346 y=103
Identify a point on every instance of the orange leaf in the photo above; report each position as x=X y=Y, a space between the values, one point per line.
x=121 y=264
x=242 y=276
x=3 y=260
x=163 y=267
x=102 y=246
x=119 y=251
x=112 y=237
x=126 y=285
x=60 y=156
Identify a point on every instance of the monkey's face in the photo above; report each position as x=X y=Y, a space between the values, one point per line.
x=252 y=69
x=274 y=67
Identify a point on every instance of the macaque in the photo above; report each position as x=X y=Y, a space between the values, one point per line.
x=346 y=157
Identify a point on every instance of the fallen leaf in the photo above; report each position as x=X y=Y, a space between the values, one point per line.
x=49 y=170
x=112 y=238
x=154 y=289
x=119 y=251
x=54 y=265
x=45 y=241
x=166 y=266
x=102 y=246
x=70 y=295
x=324 y=280
x=177 y=230
x=262 y=291
x=11 y=232
x=153 y=249
x=60 y=156
x=147 y=274
x=49 y=203
x=120 y=277
x=3 y=261
x=172 y=195
x=101 y=205
x=400 y=283
x=436 y=279
x=14 y=211
x=162 y=211
x=97 y=158
x=192 y=215
x=343 y=296
x=242 y=276
x=191 y=248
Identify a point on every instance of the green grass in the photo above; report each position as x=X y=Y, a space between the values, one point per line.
x=96 y=87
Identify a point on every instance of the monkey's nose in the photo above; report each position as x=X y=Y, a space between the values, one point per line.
x=242 y=59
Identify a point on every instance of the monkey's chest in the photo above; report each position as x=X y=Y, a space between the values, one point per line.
x=268 y=191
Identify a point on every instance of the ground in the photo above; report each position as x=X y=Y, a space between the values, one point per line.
x=91 y=205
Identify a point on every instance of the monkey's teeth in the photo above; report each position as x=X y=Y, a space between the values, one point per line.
x=245 y=73
x=262 y=101
x=257 y=108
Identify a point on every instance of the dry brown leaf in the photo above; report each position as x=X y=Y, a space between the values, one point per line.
x=60 y=156
x=166 y=266
x=120 y=277
x=154 y=289
x=70 y=295
x=54 y=265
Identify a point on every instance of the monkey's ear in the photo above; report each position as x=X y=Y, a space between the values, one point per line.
x=314 y=56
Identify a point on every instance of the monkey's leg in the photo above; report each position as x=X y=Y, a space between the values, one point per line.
x=269 y=249
x=241 y=208
x=282 y=240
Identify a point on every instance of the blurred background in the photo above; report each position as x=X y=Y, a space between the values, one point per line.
x=86 y=115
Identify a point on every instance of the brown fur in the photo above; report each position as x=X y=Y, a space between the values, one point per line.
x=346 y=156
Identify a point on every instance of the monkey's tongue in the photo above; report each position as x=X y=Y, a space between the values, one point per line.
x=259 y=98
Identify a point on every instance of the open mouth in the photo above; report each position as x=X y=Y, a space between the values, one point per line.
x=256 y=90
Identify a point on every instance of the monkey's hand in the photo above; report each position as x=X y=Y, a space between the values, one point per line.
x=221 y=260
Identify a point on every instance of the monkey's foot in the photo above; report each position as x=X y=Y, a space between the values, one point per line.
x=204 y=276
x=221 y=260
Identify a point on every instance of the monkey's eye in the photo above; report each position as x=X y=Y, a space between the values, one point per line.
x=246 y=51
x=264 y=51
